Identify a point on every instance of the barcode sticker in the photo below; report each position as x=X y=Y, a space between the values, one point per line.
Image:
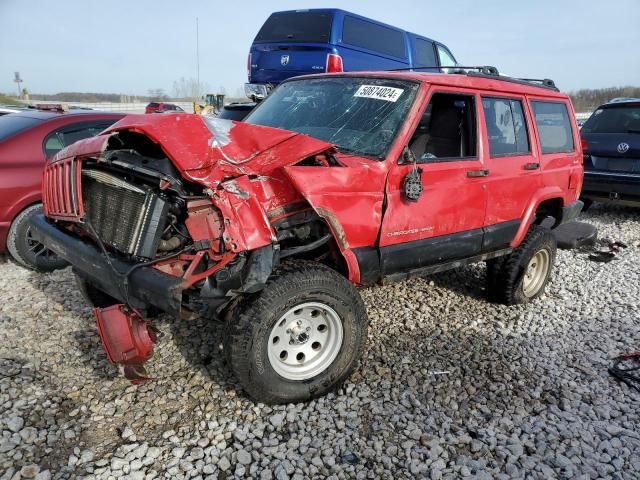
x=388 y=94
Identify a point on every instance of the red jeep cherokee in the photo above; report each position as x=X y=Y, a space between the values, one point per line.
x=333 y=181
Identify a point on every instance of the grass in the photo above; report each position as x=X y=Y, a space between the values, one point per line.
x=9 y=100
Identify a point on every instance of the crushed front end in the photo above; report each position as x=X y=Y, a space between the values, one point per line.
x=153 y=214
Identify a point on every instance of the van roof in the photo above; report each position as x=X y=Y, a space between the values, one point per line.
x=469 y=80
x=340 y=10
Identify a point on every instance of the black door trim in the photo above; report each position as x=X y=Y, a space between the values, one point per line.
x=430 y=254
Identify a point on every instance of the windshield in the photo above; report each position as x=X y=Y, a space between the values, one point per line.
x=619 y=119
x=13 y=123
x=359 y=115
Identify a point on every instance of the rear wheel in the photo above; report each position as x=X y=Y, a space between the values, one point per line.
x=523 y=275
x=27 y=251
x=298 y=338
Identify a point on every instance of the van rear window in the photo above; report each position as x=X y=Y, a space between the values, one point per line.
x=296 y=27
x=374 y=37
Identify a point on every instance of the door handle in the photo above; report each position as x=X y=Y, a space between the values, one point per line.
x=477 y=173
x=532 y=166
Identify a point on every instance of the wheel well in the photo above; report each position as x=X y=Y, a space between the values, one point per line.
x=308 y=229
x=551 y=207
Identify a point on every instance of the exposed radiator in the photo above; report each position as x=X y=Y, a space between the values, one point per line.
x=124 y=216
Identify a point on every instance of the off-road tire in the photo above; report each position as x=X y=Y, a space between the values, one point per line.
x=21 y=247
x=94 y=296
x=505 y=275
x=250 y=325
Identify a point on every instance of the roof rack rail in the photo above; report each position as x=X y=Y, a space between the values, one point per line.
x=487 y=71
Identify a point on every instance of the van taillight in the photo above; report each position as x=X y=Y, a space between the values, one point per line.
x=334 y=63
x=249 y=66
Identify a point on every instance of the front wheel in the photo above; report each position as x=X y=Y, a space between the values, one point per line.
x=298 y=338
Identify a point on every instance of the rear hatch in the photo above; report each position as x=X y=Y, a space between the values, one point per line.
x=611 y=138
x=290 y=44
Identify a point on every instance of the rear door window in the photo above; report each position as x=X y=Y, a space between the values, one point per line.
x=619 y=119
x=506 y=126
x=425 y=53
x=65 y=136
x=554 y=126
x=374 y=37
x=308 y=27
x=13 y=124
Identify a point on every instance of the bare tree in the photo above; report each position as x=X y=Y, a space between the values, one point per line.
x=188 y=88
x=157 y=94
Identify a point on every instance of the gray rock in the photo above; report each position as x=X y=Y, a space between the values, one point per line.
x=244 y=457
x=277 y=420
x=15 y=424
x=224 y=464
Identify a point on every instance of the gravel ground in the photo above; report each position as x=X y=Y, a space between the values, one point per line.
x=451 y=386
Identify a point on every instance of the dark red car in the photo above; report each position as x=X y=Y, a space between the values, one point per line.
x=161 y=107
x=27 y=140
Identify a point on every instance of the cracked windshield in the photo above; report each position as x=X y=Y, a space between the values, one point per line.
x=360 y=115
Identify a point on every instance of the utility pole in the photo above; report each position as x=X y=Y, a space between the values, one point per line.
x=198 y=56
x=18 y=80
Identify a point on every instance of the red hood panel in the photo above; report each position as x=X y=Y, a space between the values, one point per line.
x=211 y=149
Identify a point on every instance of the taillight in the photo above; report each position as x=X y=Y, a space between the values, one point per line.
x=334 y=63
x=249 y=66
x=585 y=144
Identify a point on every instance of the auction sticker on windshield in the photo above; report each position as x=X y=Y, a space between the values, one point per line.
x=388 y=94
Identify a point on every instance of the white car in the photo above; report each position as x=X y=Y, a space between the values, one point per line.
x=5 y=109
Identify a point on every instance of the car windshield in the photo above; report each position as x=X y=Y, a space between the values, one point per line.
x=13 y=123
x=619 y=119
x=359 y=115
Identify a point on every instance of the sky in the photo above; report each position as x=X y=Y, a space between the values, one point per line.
x=131 y=46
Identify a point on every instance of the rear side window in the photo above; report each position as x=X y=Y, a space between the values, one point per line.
x=425 y=55
x=554 y=126
x=619 y=119
x=378 y=38
x=65 y=136
x=506 y=126
x=12 y=124
x=296 y=27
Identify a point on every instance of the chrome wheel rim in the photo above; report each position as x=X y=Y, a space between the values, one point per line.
x=536 y=273
x=305 y=341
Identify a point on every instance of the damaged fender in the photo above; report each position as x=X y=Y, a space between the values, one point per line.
x=349 y=199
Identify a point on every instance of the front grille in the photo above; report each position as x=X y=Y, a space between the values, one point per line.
x=122 y=215
x=60 y=190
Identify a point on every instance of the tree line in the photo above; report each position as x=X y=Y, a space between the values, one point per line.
x=588 y=99
x=584 y=100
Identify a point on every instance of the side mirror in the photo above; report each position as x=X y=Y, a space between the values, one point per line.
x=407 y=156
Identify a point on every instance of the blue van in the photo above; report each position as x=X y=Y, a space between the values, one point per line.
x=300 y=42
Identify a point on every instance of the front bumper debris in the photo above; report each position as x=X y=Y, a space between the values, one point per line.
x=146 y=285
x=127 y=339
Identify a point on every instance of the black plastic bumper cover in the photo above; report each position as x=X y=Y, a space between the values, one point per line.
x=571 y=211
x=146 y=285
